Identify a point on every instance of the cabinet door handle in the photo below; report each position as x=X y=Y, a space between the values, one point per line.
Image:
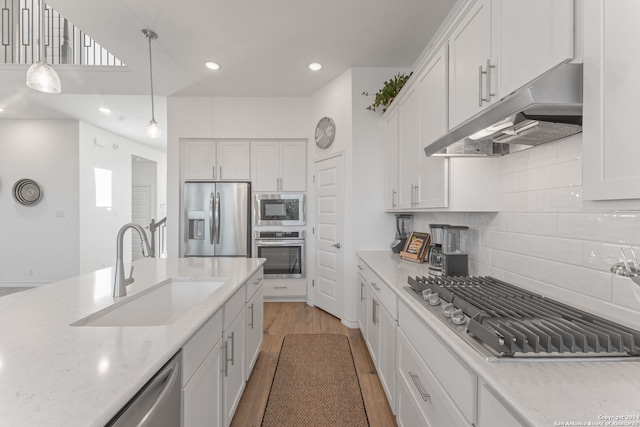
x=251 y=323
x=361 y=291
x=226 y=360
x=489 y=68
x=374 y=314
x=417 y=197
x=393 y=198
x=220 y=171
x=480 y=99
x=232 y=349
x=416 y=381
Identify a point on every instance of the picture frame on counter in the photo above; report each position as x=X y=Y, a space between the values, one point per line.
x=416 y=247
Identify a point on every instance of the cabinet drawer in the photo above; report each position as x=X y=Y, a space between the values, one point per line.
x=384 y=293
x=427 y=393
x=362 y=268
x=285 y=289
x=234 y=306
x=200 y=345
x=254 y=282
x=458 y=381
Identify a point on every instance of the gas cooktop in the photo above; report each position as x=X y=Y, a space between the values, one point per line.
x=504 y=322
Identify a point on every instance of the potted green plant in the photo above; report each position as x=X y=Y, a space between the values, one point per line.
x=389 y=91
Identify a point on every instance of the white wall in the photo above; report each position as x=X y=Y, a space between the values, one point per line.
x=548 y=239
x=39 y=244
x=241 y=118
x=99 y=225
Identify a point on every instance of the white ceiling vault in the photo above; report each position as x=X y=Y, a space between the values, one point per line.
x=262 y=46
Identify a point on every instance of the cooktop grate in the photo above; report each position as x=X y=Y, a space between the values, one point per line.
x=511 y=320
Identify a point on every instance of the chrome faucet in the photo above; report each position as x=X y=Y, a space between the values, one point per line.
x=120 y=283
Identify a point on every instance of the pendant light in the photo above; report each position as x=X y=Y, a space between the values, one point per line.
x=153 y=129
x=41 y=76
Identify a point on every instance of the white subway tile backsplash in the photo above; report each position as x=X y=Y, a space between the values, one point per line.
x=577 y=279
x=499 y=240
x=566 y=174
x=515 y=263
x=518 y=202
x=626 y=292
x=549 y=240
x=601 y=256
x=560 y=200
x=614 y=227
x=570 y=148
x=552 y=248
x=542 y=224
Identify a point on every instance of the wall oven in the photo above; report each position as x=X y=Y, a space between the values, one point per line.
x=284 y=251
x=279 y=209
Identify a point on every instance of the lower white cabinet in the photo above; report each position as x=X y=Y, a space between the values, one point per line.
x=381 y=329
x=202 y=397
x=254 y=317
x=233 y=364
x=285 y=289
x=362 y=304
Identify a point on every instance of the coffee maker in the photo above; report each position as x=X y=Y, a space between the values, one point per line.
x=403 y=229
x=455 y=261
x=447 y=253
x=434 y=253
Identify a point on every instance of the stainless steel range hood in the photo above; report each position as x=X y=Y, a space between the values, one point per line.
x=547 y=109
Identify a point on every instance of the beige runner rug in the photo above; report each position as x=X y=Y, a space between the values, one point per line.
x=315 y=384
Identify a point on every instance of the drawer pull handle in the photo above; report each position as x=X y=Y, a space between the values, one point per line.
x=375 y=286
x=416 y=381
x=279 y=287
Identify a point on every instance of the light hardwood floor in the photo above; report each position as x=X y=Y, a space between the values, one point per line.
x=281 y=319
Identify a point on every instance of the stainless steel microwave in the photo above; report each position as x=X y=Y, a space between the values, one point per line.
x=279 y=209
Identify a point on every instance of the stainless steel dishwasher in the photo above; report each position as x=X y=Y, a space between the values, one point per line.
x=158 y=403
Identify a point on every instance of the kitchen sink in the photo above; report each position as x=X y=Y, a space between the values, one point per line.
x=160 y=305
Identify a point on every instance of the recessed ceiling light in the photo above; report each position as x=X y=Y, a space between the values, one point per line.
x=212 y=66
x=315 y=66
x=104 y=110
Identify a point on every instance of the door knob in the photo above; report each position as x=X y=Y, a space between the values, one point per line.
x=336 y=245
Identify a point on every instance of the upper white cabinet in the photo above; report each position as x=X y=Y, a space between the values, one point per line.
x=409 y=137
x=469 y=53
x=279 y=165
x=391 y=145
x=611 y=91
x=529 y=38
x=500 y=45
x=216 y=160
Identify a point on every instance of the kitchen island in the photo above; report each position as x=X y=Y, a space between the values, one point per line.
x=536 y=393
x=55 y=374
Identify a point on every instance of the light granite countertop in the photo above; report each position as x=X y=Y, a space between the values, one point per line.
x=53 y=374
x=540 y=394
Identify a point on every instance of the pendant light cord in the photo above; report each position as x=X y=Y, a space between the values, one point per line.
x=153 y=115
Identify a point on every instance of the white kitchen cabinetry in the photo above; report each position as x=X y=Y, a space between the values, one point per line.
x=469 y=53
x=362 y=298
x=611 y=91
x=491 y=413
x=234 y=353
x=500 y=45
x=201 y=377
x=391 y=146
x=279 y=165
x=255 y=316
x=381 y=333
x=216 y=160
x=424 y=362
x=409 y=136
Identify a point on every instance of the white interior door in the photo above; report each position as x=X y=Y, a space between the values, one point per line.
x=140 y=214
x=328 y=257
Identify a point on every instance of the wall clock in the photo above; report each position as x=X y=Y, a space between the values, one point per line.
x=325 y=132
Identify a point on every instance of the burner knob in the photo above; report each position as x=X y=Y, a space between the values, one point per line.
x=426 y=293
x=457 y=317
x=447 y=309
x=434 y=299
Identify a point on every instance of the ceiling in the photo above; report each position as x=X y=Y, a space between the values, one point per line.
x=263 y=48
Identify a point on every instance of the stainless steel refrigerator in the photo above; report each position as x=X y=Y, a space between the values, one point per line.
x=216 y=219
